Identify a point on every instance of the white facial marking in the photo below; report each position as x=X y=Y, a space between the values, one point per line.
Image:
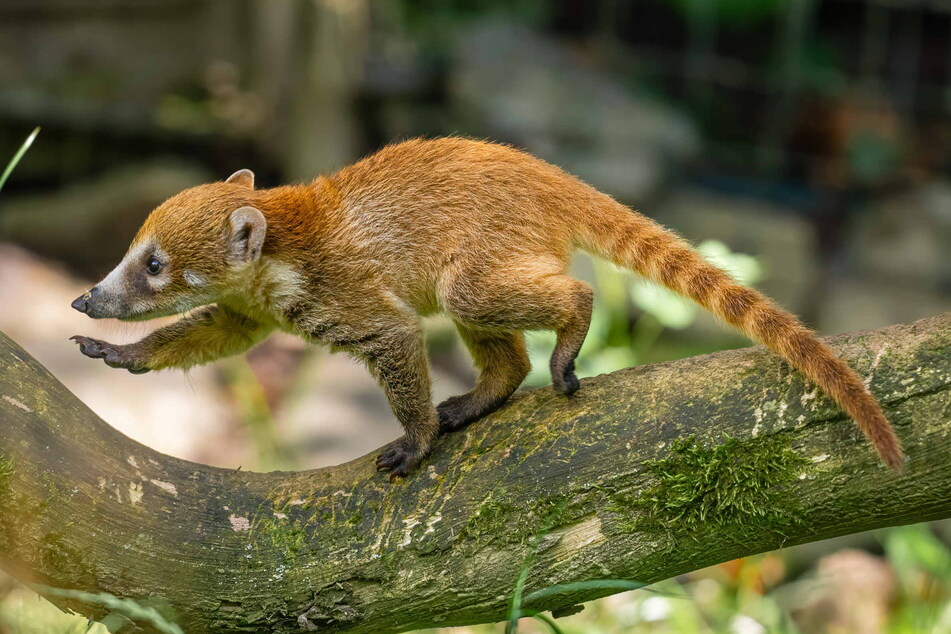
x=157 y=282
x=194 y=279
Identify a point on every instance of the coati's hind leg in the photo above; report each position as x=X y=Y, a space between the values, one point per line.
x=503 y=364
x=528 y=297
x=571 y=334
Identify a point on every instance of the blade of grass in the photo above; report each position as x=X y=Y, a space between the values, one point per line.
x=19 y=155
x=621 y=585
x=515 y=610
x=550 y=622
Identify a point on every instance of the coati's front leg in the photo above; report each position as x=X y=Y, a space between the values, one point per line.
x=210 y=333
x=398 y=361
x=395 y=352
x=389 y=339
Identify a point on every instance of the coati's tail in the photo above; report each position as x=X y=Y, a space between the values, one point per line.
x=634 y=241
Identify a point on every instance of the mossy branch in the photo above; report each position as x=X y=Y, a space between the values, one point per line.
x=644 y=474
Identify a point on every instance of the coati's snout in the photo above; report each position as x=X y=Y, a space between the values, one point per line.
x=127 y=292
x=97 y=304
x=81 y=303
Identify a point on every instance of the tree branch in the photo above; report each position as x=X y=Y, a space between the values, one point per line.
x=597 y=487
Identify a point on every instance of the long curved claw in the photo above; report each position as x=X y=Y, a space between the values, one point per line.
x=113 y=355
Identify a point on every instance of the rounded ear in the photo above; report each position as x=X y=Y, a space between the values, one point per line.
x=248 y=228
x=245 y=178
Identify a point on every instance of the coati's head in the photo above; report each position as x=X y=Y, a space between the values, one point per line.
x=192 y=250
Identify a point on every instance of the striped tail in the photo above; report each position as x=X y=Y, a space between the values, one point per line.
x=634 y=241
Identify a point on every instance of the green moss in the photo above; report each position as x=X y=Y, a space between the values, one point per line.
x=69 y=562
x=500 y=519
x=281 y=533
x=9 y=530
x=489 y=519
x=743 y=485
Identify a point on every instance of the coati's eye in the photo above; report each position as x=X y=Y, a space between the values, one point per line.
x=153 y=266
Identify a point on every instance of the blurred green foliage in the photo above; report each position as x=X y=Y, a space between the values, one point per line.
x=425 y=15
x=733 y=12
x=922 y=566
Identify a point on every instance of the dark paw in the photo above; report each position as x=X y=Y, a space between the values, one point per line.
x=569 y=382
x=400 y=458
x=114 y=356
x=455 y=413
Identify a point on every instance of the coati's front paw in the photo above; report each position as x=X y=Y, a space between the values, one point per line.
x=401 y=457
x=566 y=381
x=125 y=357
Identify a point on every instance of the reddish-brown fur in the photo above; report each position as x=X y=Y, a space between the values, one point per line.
x=480 y=231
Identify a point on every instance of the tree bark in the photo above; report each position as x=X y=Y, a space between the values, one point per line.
x=597 y=486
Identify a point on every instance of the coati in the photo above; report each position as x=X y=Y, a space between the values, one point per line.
x=480 y=231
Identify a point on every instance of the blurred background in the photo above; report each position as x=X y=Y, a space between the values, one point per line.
x=803 y=144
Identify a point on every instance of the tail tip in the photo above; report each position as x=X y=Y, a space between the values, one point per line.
x=893 y=456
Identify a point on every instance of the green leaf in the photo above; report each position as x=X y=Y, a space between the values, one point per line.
x=127 y=607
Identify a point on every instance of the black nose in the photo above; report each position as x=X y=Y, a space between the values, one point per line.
x=81 y=303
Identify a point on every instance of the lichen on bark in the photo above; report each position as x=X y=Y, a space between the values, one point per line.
x=6 y=472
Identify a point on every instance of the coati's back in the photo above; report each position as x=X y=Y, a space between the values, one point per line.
x=430 y=198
